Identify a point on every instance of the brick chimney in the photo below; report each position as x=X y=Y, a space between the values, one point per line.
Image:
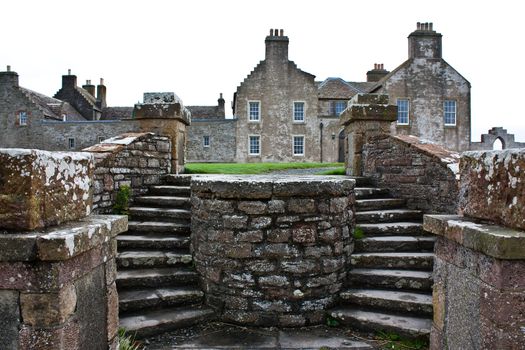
x=69 y=81
x=221 y=112
x=8 y=78
x=101 y=94
x=424 y=42
x=89 y=88
x=276 y=46
x=377 y=73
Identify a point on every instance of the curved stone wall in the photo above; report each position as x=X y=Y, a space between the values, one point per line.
x=272 y=250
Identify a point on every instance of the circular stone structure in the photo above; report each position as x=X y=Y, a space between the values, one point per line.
x=272 y=250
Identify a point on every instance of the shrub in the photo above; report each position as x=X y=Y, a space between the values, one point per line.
x=121 y=206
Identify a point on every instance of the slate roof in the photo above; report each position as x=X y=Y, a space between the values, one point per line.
x=204 y=112
x=337 y=88
x=51 y=107
x=116 y=113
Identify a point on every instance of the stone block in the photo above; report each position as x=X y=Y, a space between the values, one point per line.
x=278 y=235
x=112 y=319
x=235 y=221
x=10 y=319
x=304 y=233
x=252 y=207
x=274 y=281
x=301 y=205
x=40 y=189
x=261 y=222
x=67 y=336
x=250 y=236
x=45 y=310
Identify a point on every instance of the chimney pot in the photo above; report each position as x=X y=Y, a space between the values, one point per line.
x=69 y=72
x=382 y=66
x=431 y=25
x=418 y=25
x=101 y=81
x=271 y=32
x=221 y=95
x=282 y=32
x=8 y=68
x=276 y=31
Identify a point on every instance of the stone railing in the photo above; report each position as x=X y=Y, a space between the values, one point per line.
x=137 y=160
x=272 y=251
x=479 y=284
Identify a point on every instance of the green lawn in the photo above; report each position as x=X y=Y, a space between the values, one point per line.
x=250 y=168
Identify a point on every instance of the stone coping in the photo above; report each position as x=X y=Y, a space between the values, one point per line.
x=493 y=240
x=61 y=242
x=268 y=186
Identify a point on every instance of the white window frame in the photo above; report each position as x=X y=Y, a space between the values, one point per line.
x=206 y=141
x=71 y=143
x=293 y=145
x=22 y=121
x=407 y=111
x=335 y=107
x=250 y=145
x=295 y=118
x=445 y=112
x=250 y=113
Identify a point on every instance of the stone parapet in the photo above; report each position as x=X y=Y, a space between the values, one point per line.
x=272 y=250
x=40 y=189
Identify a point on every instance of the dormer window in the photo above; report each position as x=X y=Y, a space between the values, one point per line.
x=22 y=118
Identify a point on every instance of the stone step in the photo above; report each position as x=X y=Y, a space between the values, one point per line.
x=394 y=244
x=152 y=241
x=392 y=279
x=178 y=180
x=130 y=300
x=370 y=192
x=393 y=229
x=369 y=320
x=171 y=190
x=163 y=201
x=158 y=321
x=159 y=227
x=160 y=214
x=379 y=203
x=403 y=260
x=151 y=258
x=392 y=300
x=362 y=181
x=390 y=215
x=167 y=276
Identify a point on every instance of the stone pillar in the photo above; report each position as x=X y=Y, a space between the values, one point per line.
x=165 y=115
x=272 y=251
x=368 y=117
x=479 y=280
x=57 y=264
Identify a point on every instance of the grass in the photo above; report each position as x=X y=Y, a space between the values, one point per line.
x=250 y=168
x=394 y=341
x=338 y=171
x=127 y=342
x=358 y=233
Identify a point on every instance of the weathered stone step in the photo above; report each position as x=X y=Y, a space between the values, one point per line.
x=370 y=192
x=159 y=227
x=166 y=190
x=402 y=301
x=152 y=241
x=178 y=180
x=160 y=214
x=163 y=201
x=393 y=229
x=391 y=215
x=392 y=279
x=156 y=277
x=159 y=321
x=405 y=260
x=362 y=181
x=411 y=327
x=379 y=203
x=130 y=300
x=151 y=258
x=394 y=244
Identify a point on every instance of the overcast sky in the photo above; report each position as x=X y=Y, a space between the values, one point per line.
x=200 y=48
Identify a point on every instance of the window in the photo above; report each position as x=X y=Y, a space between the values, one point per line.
x=298 y=145
x=298 y=111
x=255 y=145
x=403 y=108
x=254 y=111
x=340 y=106
x=22 y=118
x=450 y=112
x=206 y=141
x=71 y=142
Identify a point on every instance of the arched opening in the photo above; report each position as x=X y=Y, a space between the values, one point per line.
x=341 y=155
x=498 y=144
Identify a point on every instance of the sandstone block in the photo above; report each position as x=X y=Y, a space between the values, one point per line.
x=252 y=207
x=44 y=310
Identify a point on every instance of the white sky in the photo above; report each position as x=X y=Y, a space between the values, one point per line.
x=200 y=48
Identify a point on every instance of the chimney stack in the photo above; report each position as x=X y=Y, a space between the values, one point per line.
x=69 y=81
x=8 y=78
x=377 y=73
x=277 y=46
x=221 y=110
x=90 y=88
x=424 y=42
x=101 y=94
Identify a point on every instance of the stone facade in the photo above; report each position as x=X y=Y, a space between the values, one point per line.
x=138 y=160
x=272 y=251
x=496 y=133
x=220 y=133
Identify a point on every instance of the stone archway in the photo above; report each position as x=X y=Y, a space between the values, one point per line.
x=498 y=144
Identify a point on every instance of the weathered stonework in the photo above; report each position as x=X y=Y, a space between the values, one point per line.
x=497 y=133
x=40 y=189
x=272 y=251
x=422 y=173
x=222 y=141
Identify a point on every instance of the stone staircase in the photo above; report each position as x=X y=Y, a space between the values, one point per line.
x=157 y=286
x=390 y=282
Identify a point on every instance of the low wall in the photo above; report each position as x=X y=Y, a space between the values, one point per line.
x=272 y=251
x=137 y=160
x=422 y=173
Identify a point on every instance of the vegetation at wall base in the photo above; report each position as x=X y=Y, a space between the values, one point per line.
x=128 y=342
x=358 y=233
x=121 y=206
x=394 y=341
x=250 y=168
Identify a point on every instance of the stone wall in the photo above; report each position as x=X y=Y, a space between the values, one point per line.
x=221 y=133
x=138 y=160
x=422 y=173
x=272 y=251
